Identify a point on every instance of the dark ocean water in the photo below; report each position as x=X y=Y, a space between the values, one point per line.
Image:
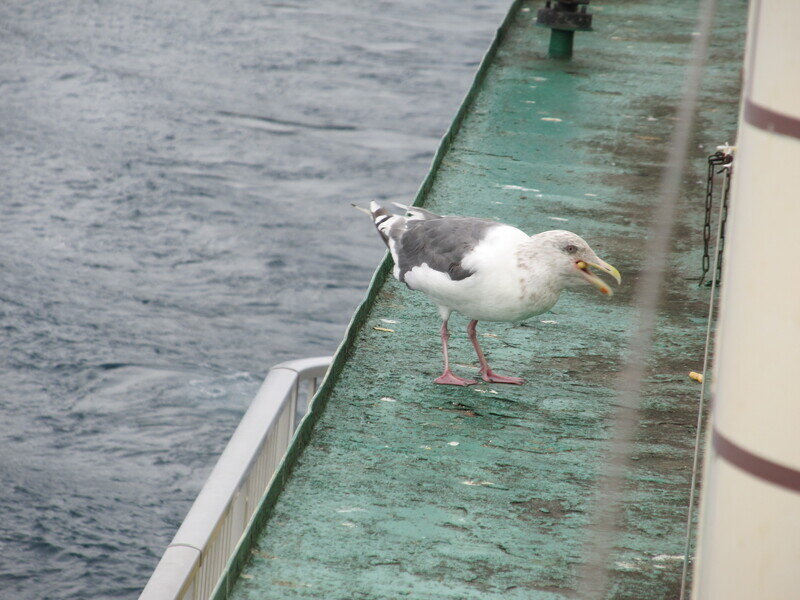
x=175 y=181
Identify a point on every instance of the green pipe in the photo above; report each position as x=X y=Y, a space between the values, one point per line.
x=561 y=43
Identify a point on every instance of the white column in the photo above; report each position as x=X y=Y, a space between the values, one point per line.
x=749 y=539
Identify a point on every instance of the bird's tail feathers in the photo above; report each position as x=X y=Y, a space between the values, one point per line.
x=386 y=222
x=382 y=219
x=361 y=208
x=377 y=211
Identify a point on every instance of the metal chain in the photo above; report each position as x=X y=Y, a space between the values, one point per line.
x=718 y=158
x=726 y=190
x=707 y=224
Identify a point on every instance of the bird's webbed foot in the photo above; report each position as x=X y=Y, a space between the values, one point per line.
x=490 y=376
x=450 y=378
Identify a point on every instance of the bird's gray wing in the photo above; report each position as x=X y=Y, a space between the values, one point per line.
x=440 y=243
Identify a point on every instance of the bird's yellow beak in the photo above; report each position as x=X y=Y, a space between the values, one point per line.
x=583 y=267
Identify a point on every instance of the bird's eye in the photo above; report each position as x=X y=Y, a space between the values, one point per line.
x=571 y=248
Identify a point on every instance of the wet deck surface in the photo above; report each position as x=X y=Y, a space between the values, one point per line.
x=407 y=489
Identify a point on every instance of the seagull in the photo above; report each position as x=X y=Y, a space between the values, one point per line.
x=484 y=270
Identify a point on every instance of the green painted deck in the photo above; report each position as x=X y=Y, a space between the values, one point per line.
x=406 y=489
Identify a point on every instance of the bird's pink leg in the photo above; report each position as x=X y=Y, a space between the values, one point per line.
x=448 y=377
x=486 y=372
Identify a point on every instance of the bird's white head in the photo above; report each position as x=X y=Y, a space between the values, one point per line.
x=571 y=257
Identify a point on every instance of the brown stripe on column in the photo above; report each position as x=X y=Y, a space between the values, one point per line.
x=769 y=120
x=760 y=467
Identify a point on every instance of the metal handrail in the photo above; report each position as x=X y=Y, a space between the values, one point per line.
x=195 y=559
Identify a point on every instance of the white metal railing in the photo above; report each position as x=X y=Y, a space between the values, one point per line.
x=195 y=559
